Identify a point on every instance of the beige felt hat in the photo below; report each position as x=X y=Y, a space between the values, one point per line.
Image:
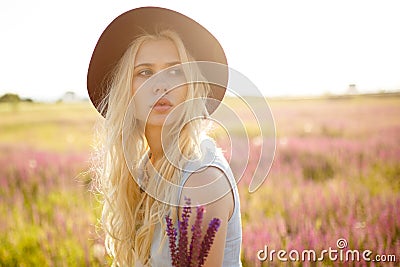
x=120 y=33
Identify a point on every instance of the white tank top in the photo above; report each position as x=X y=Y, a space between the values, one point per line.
x=160 y=255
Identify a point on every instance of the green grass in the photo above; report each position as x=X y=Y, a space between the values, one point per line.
x=57 y=127
x=65 y=127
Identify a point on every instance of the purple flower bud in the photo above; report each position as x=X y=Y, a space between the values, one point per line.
x=183 y=235
x=195 y=244
x=208 y=240
x=198 y=250
x=171 y=232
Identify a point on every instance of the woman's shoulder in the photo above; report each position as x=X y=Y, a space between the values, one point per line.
x=211 y=156
x=207 y=180
x=207 y=176
x=210 y=188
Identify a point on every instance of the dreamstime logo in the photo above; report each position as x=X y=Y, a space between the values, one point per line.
x=232 y=118
x=341 y=254
x=341 y=243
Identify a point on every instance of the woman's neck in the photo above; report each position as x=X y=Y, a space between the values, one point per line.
x=153 y=136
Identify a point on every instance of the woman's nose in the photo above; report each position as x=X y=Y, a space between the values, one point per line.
x=160 y=87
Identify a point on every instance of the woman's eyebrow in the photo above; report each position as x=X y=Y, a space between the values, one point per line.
x=169 y=64
x=143 y=65
x=173 y=63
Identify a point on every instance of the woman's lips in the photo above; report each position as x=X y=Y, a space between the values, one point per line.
x=162 y=105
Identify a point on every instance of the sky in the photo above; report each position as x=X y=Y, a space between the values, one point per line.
x=286 y=48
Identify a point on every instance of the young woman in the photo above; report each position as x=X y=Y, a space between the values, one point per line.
x=155 y=151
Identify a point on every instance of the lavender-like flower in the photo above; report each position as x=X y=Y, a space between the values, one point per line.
x=208 y=240
x=183 y=234
x=198 y=251
x=195 y=245
x=171 y=232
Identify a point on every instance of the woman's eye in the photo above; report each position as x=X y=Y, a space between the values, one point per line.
x=146 y=73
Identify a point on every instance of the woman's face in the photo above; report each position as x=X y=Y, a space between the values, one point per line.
x=158 y=97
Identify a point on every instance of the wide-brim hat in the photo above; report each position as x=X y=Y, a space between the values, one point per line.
x=124 y=29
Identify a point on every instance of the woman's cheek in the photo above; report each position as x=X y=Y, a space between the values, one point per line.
x=180 y=93
x=135 y=85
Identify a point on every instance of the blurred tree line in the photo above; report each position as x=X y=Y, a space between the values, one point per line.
x=13 y=98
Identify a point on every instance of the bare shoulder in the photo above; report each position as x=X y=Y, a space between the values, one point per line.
x=209 y=187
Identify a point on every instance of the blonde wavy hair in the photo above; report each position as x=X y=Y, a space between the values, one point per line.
x=129 y=216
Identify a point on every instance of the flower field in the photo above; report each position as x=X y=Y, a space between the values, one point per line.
x=336 y=174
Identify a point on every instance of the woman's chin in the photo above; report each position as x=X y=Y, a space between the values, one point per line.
x=159 y=120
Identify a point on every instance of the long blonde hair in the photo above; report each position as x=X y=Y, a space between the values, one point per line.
x=129 y=216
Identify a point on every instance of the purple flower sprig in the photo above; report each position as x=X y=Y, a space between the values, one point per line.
x=198 y=251
x=172 y=233
x=195 y=246
x=183 y=235
x=208 y=240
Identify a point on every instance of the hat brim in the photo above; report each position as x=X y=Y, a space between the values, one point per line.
x=124 y=29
